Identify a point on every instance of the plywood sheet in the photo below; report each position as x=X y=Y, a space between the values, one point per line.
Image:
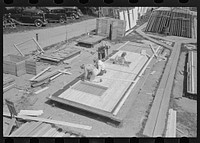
x=115 y=88
x=90 y=88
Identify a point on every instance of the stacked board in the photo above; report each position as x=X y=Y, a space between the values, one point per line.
x=192 y=72
x=31 y=67
x=59 y=56
x=110 y=27
x=171 y=22
x=13 y=64
x=40 y=129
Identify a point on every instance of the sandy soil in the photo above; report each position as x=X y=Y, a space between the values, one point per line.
x=133 y=122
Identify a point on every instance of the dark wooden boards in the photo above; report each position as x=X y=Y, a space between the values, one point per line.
x=171 y=22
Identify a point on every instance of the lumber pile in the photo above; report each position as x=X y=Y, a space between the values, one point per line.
x=42 y=78
x=8 y=83
x=110 y=27
x=155 y=124
x=31 y=67
x=40 y=129
x=13 y=64
x=19 y=65
x=171 y=124
x=59 y=56
x=170 y=22
x=192 y=73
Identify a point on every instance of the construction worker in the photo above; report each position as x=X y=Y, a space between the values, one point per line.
x=120 y=59
x=91 y=71
x=99 y=65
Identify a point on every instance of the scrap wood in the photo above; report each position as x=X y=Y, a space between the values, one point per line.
x=60 y=72
x=9 y=128
x=18 y=50
x=38 y=45
x=41 y=90
x=46 y=76
x=32 y=79
x=63 y=123
x=154 y=52
x=31 y=112
x=8 y=81
x=9 y=87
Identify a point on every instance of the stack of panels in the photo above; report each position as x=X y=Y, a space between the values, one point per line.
x=13 y=64
x=109 y=27
x=31 y=67
x=57 y=57
x=171 y=23
x=39 y=129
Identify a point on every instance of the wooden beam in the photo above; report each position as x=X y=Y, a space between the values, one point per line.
x=9 y=128
x=38 y=45
x=63 y=123
x=8 y=87
x=171 y=126
x=18 y=50
x=33 y=78
x=41 y=90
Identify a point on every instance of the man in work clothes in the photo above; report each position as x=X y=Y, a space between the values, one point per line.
x=91 y=71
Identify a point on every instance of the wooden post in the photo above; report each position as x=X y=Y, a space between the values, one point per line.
x=18 y=50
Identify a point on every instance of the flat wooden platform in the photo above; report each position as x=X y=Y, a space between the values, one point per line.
x=102 y=98
x=90 y=41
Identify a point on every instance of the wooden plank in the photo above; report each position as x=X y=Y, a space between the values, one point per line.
x=87 y=108
x=52 y=121
x=38 y=45
x=18 y=50
x=9 y=87
x=41 y=90
x=43 y=130
x=36 y=130
x=46 y=76
x=171 y=126
x=39 y=74
x=18 y=131
x=9 y=128
x=31 y=112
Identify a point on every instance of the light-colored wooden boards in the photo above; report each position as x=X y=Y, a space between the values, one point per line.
x=116 y=88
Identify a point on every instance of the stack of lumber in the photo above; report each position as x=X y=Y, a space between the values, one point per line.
x=171 y=22
x=59 y=56
x=110 y=27
x=171 y=124
x=155 y=124
x=192 y=73
x=13 y=64
x=31 y=67
x=40 y=129
x=8 y=83
x=42 y=78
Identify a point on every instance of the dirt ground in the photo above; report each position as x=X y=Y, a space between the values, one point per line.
x=133 y=123
x=186 y=108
